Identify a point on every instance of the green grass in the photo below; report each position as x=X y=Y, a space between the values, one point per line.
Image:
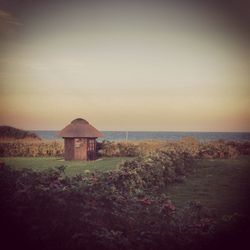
x=74 y=167
x=223 y=185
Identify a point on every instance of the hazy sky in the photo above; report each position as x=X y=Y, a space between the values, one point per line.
x=124 y=66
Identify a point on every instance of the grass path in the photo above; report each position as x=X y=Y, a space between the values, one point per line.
x=223 y=185
x=74 y=167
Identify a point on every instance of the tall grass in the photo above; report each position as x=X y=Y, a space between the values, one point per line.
x=201 y=150
x=31 y=148
x=205 y=150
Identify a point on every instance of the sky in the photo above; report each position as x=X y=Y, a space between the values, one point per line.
x=121 y=65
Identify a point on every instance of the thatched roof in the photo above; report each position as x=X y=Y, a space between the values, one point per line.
x=80 y=128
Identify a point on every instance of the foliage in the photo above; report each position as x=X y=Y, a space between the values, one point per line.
x=122 y=209
x=205 y=150
x=219 y=149
x=110 y=149
x=201 y=150
x=158 y=170
x=10 y=132
x=31 y=148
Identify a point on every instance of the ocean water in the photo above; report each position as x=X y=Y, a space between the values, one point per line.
x=140 y=135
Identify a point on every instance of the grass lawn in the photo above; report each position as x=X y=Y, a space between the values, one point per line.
x=223 y=185
x=74 y=167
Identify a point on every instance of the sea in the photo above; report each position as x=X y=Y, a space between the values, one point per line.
x=154 y=135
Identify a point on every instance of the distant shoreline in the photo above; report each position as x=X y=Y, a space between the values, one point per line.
x=156 y=135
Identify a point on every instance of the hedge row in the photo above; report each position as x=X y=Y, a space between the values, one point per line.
x=204 y=150
x=31 y=149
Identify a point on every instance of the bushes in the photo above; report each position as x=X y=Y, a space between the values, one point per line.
x=31 y=148
x=111 y=210
x=205 y=150
x=122 y=209
x=114 y=149
x=219 y=149
x=15 y=133
x=159 y=169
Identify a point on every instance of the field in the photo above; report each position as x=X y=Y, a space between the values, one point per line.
x=73 y=167
x=223 y=185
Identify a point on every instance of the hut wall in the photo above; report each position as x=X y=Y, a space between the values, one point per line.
x=68 y=149
x=80 y=149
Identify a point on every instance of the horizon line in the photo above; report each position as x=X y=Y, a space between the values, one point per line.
x=172 y=131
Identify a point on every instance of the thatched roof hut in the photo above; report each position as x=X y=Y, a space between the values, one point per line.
x=80 y=140
x=80 y=128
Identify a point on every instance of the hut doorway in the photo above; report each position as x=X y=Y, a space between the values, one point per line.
x=91 y=149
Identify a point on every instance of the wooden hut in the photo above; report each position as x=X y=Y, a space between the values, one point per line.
x=79 y=140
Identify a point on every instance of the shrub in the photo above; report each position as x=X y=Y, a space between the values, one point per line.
x=111 y=149
x=31 y=148
x=189 y=145
x=15 y=133
x=47 y=210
